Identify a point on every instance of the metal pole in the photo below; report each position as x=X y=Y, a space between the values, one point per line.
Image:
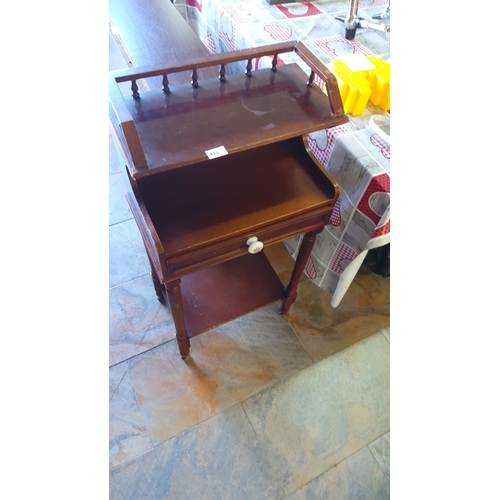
x=351 y=21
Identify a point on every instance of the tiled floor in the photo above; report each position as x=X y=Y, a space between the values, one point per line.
x=265 y=407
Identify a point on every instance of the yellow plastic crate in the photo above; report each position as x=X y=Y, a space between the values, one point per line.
x=371 y=82
x=380 y=82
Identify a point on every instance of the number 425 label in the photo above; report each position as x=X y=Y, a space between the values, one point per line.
x=216 y=152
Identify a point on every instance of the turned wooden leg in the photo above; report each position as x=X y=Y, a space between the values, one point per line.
x=177 y=308
x=290 y=292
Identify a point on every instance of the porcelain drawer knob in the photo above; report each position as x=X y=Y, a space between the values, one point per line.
x=254 y=245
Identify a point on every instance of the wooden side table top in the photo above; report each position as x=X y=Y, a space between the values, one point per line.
x=176 y=129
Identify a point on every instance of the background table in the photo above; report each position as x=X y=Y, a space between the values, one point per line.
x=356 y=156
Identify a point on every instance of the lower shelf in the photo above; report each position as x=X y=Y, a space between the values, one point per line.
x=222 y=293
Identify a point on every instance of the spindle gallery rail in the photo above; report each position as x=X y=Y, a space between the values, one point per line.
x=221 y=60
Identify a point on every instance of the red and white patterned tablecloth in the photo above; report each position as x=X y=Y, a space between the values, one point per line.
x=358 y=159
x=360 y=221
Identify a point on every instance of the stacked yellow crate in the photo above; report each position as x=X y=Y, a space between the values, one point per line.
x=362 y=78
x=380 y=83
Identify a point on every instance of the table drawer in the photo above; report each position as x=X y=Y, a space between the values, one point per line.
x=235 y=247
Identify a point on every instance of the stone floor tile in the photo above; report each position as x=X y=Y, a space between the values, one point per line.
x=216 y=460
x=127 y=257
x=324 y=330
x=380 y=449
x=115 y=159
x=128 y=436
x=116 y=374
x=137 y=320
x=226 y=365
x=316 y=418
x=119 y=210
x=356 y=478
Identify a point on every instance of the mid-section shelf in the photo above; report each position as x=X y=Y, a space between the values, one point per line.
x=218 y=294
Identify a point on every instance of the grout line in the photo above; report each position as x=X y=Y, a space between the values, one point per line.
x=129 y=281
x=142 y=352
x=383 y=434
x=121 y=380
x=174 y=436
x=140 y=411
x=121 y=221
x=383 y=332
x=151 y=324
x=316 y=477
x=375 y=458
x=377 y=462
x=301 y=343
x=249 y=421
x=343 y=460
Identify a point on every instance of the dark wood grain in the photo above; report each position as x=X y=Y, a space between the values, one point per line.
x=153 y=32
x=290 y=292
x=203 y=61
x=218 y=294
x=325 y=74
x=125 y=128
x=177 y=307
x=263 y=186
x=177 y=129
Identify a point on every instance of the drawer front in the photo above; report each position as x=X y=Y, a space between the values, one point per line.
x=235 y=247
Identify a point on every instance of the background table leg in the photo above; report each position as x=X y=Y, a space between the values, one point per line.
x=290 y=292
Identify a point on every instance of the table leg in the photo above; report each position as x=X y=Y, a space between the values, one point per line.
x=290 y=292
x=177 y=308
x=159 y=288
